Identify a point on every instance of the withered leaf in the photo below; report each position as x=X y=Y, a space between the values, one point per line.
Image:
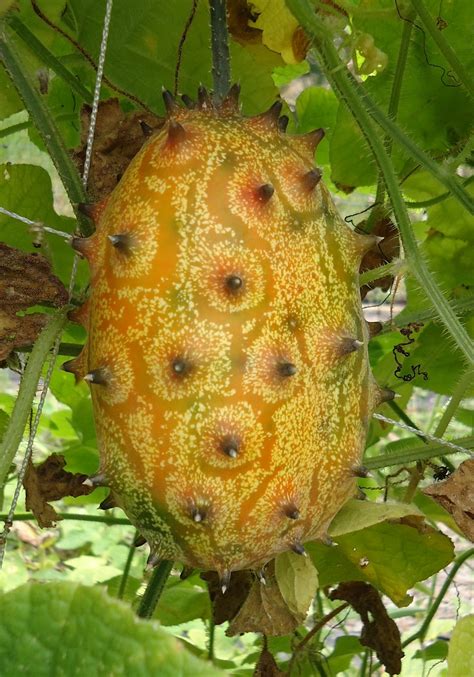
x=456 y=495
x=25 y=280
x=48 y=481
x=265 y=610
x=225 y=607
x=118 y=138
x=266 y=666
x=239 y=16
x=382 y=253
x=381 y=633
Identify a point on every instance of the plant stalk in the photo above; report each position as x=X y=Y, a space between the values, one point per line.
x=220 y=49
x=154 y=589
x=416 y=452
x=44 y=123
x=29 y=383
x=105 y=519
x=48 y=58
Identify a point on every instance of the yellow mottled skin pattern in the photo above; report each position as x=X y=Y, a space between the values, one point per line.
x=220 y=457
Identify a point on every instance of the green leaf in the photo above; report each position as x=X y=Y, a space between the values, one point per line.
x=460 y=654
x=182 y=601
x=10 y=102
x=142 y=51
x=297 y=580
x=27 y=190
x=283 y=75
x=345 y=649
x=317 y=107
x=393 y=557
x=356 y=515
x=68 y=629
x=437 y=651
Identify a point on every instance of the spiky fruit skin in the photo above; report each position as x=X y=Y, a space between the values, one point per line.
x=230 y=403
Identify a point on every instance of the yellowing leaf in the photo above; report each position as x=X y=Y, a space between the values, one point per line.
x=356 y=515
x=393 y=557
x=460 y=653
x=278 y=26
x=297 y=579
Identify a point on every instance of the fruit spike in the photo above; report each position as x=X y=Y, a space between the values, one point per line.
x=146 y=129
x=227 y=355
x=169 y=101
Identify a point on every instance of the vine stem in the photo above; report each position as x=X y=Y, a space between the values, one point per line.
x=220 y=49
x=154 y=589
x=29 y=382
x=348 y=91
x=444 y=47
x=48 y=58
x=127 y=567
x=43 y=122
x=416 y=453
x=392 y=113
x=454 y=402
x=112 y=521
x=392 y=268
x=314 y=630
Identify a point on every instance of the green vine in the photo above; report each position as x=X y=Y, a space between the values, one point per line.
x=47 y=58
x=154 y=589
x=220 y=49
x=21 y=410
x=415 y=453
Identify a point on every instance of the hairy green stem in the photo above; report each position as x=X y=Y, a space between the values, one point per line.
x=460 y=307
x=48 y=58
x=354 y=97
x=126 y=569
x=154 y=589
x=462 y=74
x=392 y=113
x=392 y=268
x=456 y=397
x=416 y=453
x=20 y=126
x=105 y=519
x=424 y=204
x=43 y=121
x=458 y=562
x=220 y=49
x=29 y=383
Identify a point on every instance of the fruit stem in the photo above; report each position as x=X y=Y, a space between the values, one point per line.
x=29 y=383
x=393 y=268
x=362 y=108
x=154 y=589
x=220 y=49
x=461 y=73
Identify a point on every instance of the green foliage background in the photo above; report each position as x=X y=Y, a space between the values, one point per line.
x=84 y=561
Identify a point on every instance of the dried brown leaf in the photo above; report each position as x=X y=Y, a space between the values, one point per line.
x=382 y=253
x=456 y=495
x=265 y=610
x=118 y=138
x=25 y=280
x=226 y=606
x=48 y=481
x=266 y=666
x=239 y=14
x=381 y=633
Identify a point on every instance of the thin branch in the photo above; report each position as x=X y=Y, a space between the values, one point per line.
x=314 y=630
x=105 y=519
x=29 y=382
x=126 y=569
x=220 y=49
x=415 y=453
x=154 y=589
